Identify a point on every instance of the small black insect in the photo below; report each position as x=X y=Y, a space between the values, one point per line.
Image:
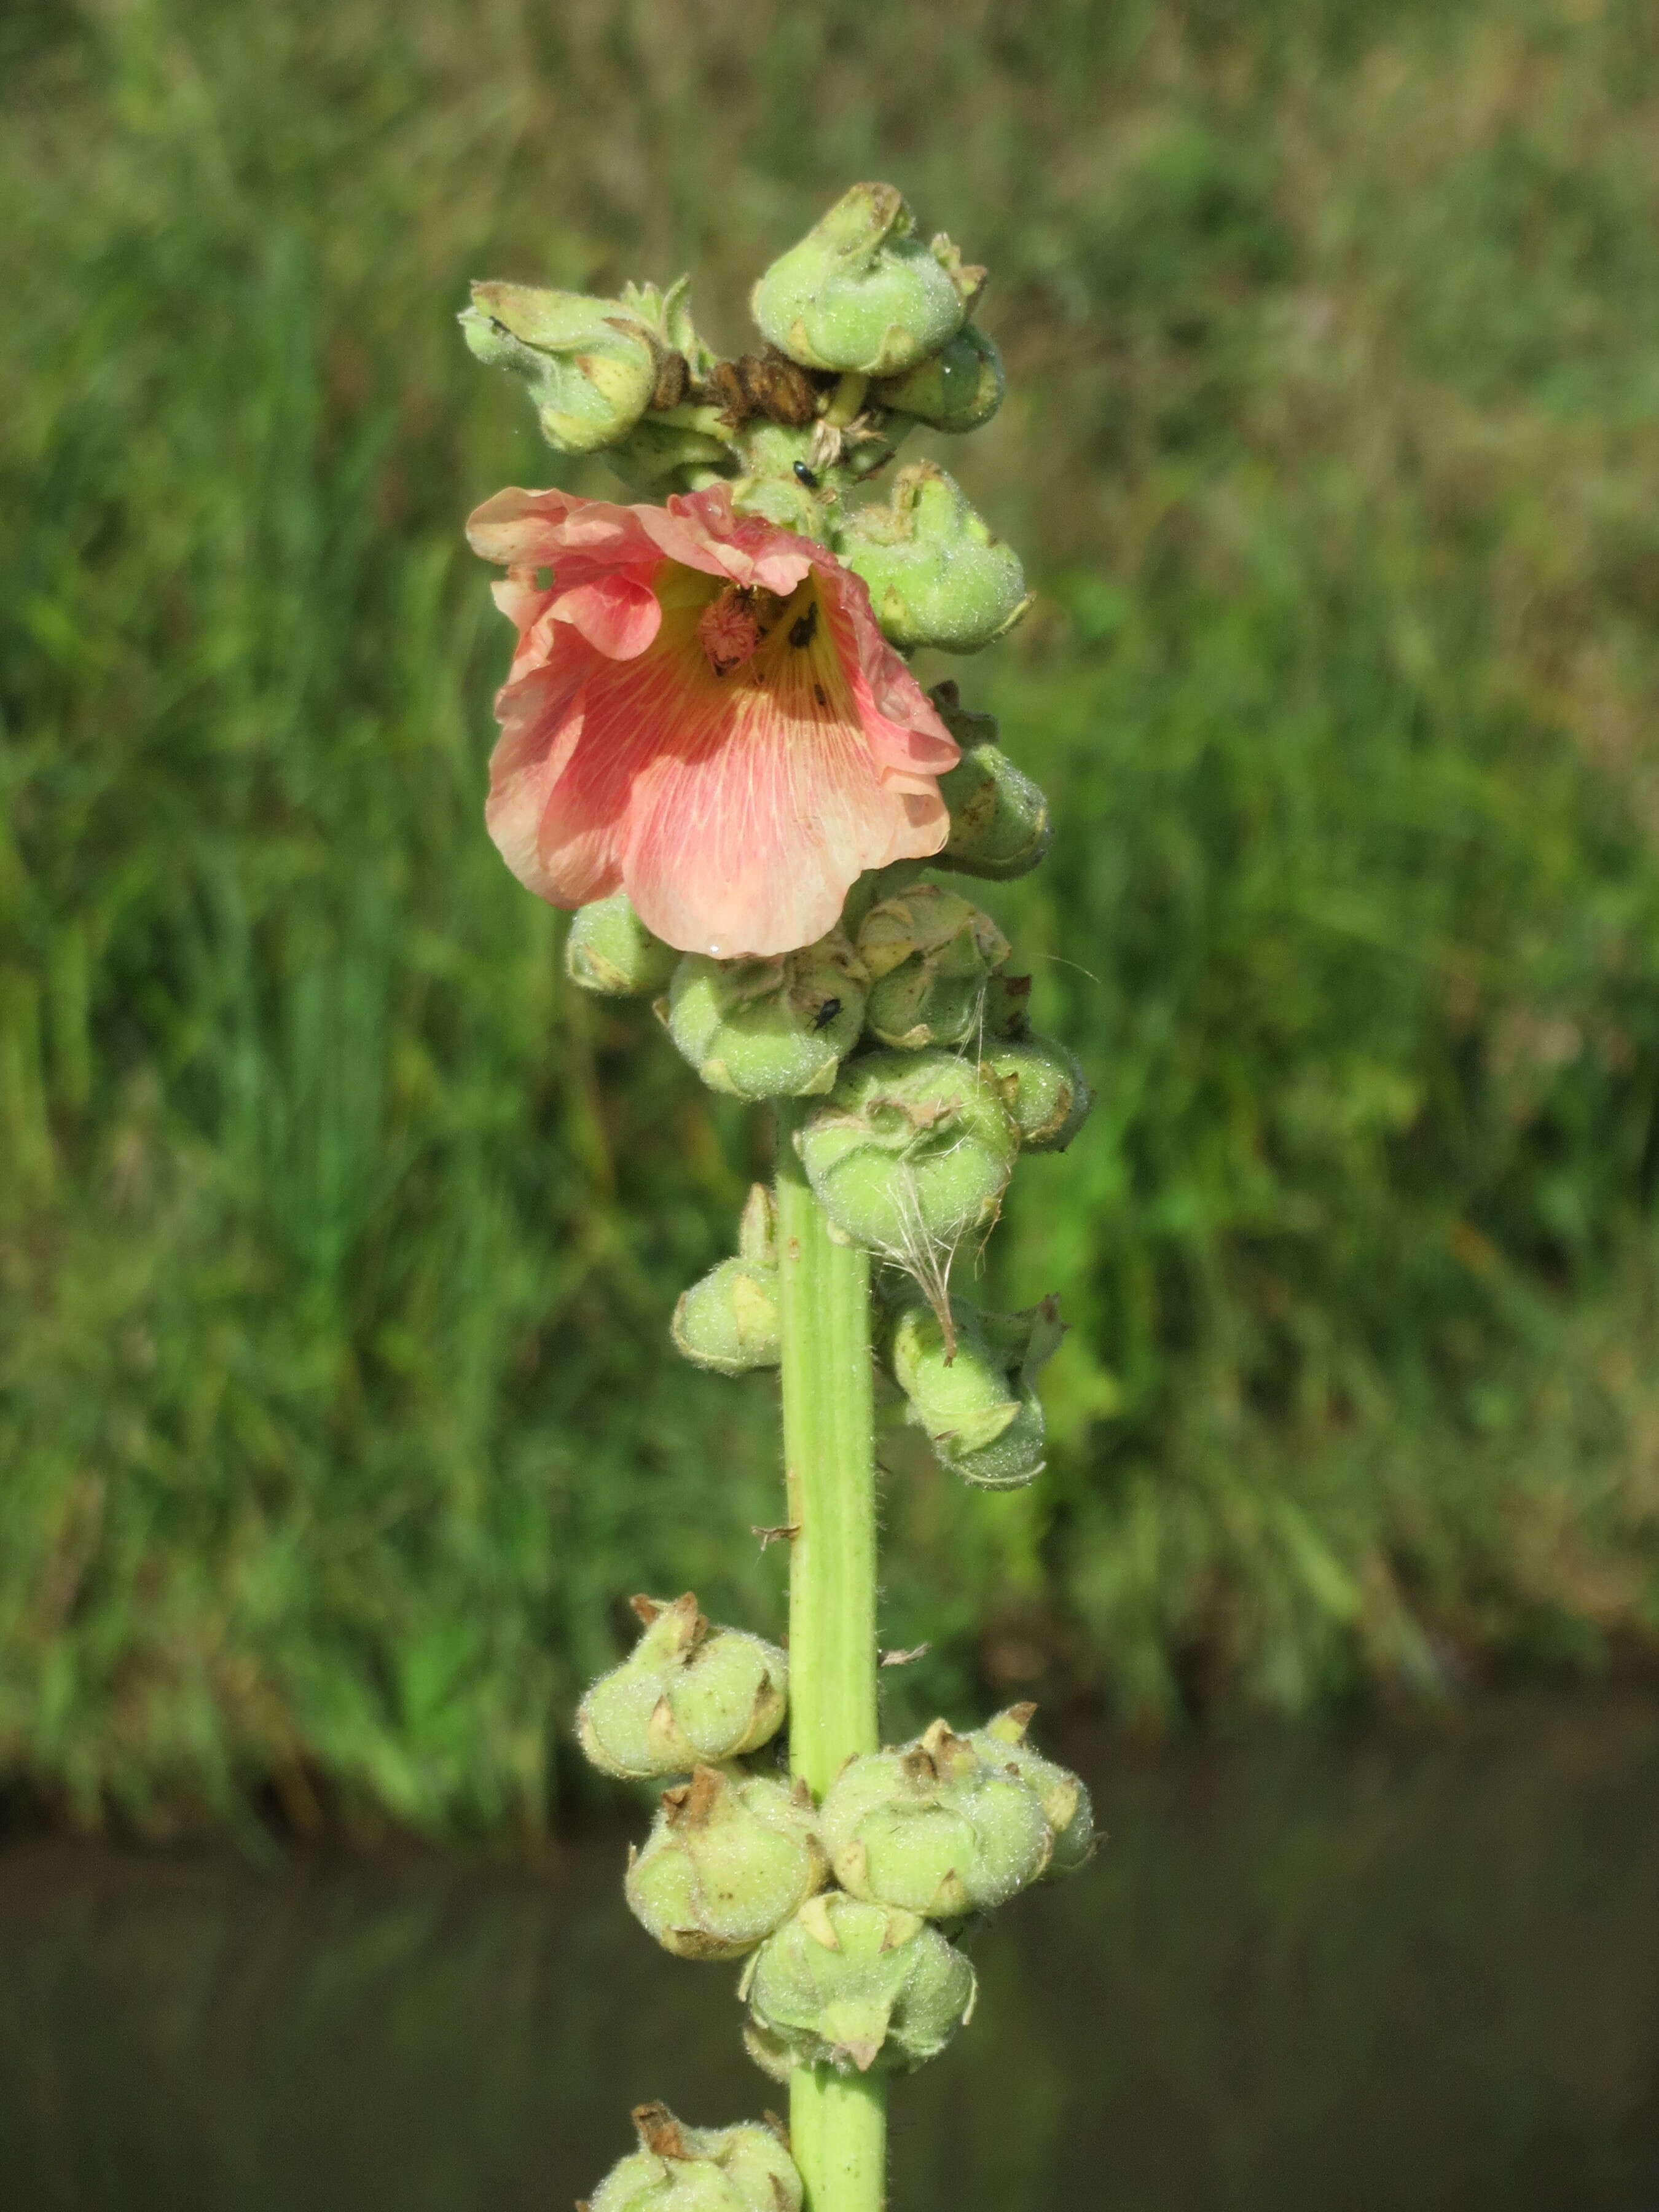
x=826 y=1013
x=802 y=629
x=803 y=475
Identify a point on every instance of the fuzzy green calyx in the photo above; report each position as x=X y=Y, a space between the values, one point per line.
x=959 y=389
x=1000 y=825
x=687 y=1695
x=776 y=1028
x=936 y=576
x=847 y=1984
x=911 y=1152
x=933 y=1828
x=593 y=368
x=730 y=1858
x=1044 y=1088
x=727 y=1320
x=667 y=313
x=973 y=1386
x=1065 y=1801
x=861 y=292
x=929 y=954
x=746 y=2168
x=610 y=950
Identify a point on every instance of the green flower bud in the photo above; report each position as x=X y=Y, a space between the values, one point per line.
x=912 y=1151
x=667 y=316
x=776 y=1028
x=687 y=1695
x=861 y=292
x=610 y=950
x=1044 y=1088
x=933 y=1828
x=1065 y=1801
x=929 y=954
x=973 y=1386
x=960 y=388
x=746 y=2168
x=1000 y=826
x=728 y=1320
x=936 y=576
x=846 y=1983
x=592 y=368
x=729 y=1859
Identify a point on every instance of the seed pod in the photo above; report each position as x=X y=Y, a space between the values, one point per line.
x=1065 y=1801
x=911 y=1152
x=591 y=365
x=1000 y=826
x=860 y=291
x=687 y=1695
x=746 y=2168
x=845 y=1983
x=777 y=1028
x=1044 y=1088
x=929 y=954
x=973 y=1387
x=936 y=576
x=958 y=389
x=728 y=1320
x=729 y=1859
x=610 y=950
x=933 y=1828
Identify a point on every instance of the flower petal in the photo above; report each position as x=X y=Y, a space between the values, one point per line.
x=618 y=615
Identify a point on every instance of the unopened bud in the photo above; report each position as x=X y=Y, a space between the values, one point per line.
x=610 y=950
x=686 y=1695
x=973 y=1387
x=845 y=1983
x=1000 y=825
x=1065 y=1801
x=861 y=292
x=934 y=1829
x=592 y=368
x=930 y=953
x=960 y=388
x=728 y=1861
x=1044 y=1088
x=775 y=1028
x=911 y=1152
x=936 y=576
x=746 y=2168
x=667 y=315
x=728 y=1320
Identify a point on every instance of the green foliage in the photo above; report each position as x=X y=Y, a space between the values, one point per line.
x=341 y=1236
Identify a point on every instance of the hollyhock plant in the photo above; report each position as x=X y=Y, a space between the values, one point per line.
x=701 y=711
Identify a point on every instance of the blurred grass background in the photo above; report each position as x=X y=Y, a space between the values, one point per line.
x=339 y=1239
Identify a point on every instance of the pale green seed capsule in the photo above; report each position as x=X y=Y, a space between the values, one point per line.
x=777 y=1028
x=933 y=1828
x=610 y=950
x=728 y=1320
x=592 y=367
x=1044 y=1088
x=845 y=1983
x=973 y=1387
x=746 y=2168
x=912 y=1152
x=686 y=1695
x=959 y=389
x=861 y=292
x=1000 y=825
x=929 y=954
x=1065 y=1801
x=936 y=576
x=729 y=1859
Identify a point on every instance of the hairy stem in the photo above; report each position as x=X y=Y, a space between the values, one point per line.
x=837 y=2124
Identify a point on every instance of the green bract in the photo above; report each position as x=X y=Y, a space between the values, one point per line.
x=591 y=365
x=929 y=954
x=680 y=2169
x=729 y=1859
x=776 y=1028
x=961 y=387
x=936 y=576
x=1044 y=1088
x=686 y=1695
x=1064 y=1800
x=610 y=950
x=911 y=1152
x=933 y=1828
x=847 y=1984
x=974 y=1387
x=861 y=292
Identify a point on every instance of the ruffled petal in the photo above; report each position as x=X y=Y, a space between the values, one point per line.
x=618 y=615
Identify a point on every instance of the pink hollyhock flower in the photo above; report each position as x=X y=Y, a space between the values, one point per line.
x=703 y=713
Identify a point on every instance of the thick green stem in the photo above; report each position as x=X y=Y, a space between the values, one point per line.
x=837 y=2124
